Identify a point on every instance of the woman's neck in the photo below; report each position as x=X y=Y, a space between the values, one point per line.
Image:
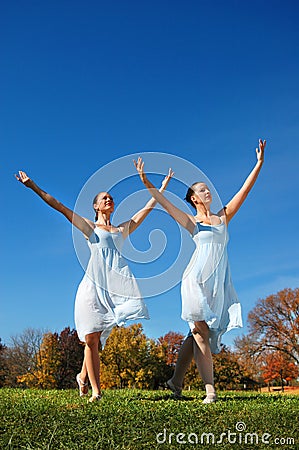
x=103 y=219
x=203 y=211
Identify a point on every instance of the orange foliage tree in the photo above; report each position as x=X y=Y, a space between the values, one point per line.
x=274 y=323
x=172 y=342
x=47 y=363
x=56 y=362
x=278 y=366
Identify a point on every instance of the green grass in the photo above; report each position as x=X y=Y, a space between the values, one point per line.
x=131 y=419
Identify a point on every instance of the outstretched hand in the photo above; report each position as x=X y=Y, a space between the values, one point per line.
x=166 y=180
x=139 y=164
x=261 y=150
x=23 y=178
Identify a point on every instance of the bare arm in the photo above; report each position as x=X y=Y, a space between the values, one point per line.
x=131 y=225
x=236 y=202
x=84 y=225
x=186 y=220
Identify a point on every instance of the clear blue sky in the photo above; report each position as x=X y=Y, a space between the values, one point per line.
x=85 y=83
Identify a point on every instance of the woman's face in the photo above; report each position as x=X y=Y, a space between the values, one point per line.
x=202 y=194
x=104 y=202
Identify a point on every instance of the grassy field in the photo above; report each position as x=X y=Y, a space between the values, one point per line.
x=135 y=419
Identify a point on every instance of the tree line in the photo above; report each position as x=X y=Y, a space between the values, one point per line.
x=268 y=354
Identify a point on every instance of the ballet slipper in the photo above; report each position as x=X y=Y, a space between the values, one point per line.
x=81 y=385
x=175 y=389
x=95 y=398
x=210 y=398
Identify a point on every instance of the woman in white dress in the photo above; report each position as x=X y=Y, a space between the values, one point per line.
x=209 y=301
x=108 y=294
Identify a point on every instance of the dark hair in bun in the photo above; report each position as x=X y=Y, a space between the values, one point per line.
x=191 y=192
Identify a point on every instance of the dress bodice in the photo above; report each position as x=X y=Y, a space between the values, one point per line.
x=210 y=234
x=105 y=239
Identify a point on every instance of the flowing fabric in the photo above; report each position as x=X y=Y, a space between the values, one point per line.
x=108 y=294
x=207 y=290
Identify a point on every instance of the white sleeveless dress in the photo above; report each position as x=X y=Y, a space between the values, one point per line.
x=108 y=294
x=207 y=290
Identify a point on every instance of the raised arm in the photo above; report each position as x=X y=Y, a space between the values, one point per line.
x=236 y=202
x=131 y=225
x=84 y=225
x=186 y=220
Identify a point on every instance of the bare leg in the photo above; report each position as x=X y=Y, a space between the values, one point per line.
x=183 y=362
x=83 y=378
x=203 y=356
x=92 y=361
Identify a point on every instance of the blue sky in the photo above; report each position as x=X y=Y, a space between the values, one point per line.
x=86 y=83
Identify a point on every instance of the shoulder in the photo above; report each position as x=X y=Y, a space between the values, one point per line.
x=222 y=215
x=124 y=229
x=90 y=229
x=193 y=227
x=89 y=222
x=192 y=218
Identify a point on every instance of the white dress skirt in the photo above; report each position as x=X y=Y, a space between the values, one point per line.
x=207 y=290
x=108 y=294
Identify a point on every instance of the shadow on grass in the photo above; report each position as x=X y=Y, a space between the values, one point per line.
x=163 y=397
x=260 y=397
x=221 y=398
x=240 y=398
x=191 y=399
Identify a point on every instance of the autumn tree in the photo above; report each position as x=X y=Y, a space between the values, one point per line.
x=130 y=359
x=47 y=364
x=3 y=365
x=278 y=366
x=21 y=356
x=274 y=323
x=71 y=357
x=249 y=358
x=123 y=356
x=38 y=359
x=115 y=357
x=227 y=371
x=192 y=379
x=172 y=342
x=157 y=366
